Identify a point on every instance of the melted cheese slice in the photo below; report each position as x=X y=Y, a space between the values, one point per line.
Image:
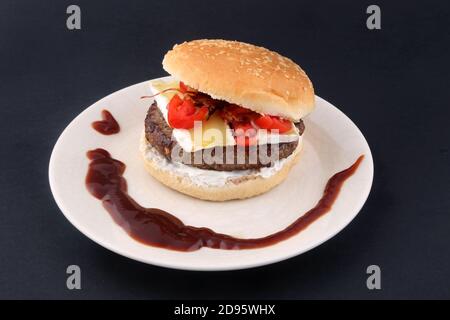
x=214 y=132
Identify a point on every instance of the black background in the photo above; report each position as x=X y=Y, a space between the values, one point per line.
x=392 y=82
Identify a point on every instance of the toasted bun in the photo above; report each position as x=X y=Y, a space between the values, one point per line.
x=253 y=77
x=241 y=187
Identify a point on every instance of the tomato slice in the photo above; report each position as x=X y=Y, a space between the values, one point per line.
x=183 y=88
x=273 y=123
x=201 y=114
x=182 y=114
x=174 y=102
x=187 y=107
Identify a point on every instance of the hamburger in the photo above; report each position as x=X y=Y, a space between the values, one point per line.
x=227 y=124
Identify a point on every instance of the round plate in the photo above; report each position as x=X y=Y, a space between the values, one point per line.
x=332 y=142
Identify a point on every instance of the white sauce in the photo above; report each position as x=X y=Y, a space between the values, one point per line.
x=209 y=178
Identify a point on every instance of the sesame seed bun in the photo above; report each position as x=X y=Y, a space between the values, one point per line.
x=253 y=77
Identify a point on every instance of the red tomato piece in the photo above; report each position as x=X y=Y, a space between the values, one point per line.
x=188 y=107
x=182 y=113
x=183 y=88
x=174 y=102
x=273 y=123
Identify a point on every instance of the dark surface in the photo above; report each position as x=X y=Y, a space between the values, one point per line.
x=392 y=82
x=159 y=135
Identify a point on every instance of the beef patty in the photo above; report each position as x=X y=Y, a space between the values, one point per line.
x=159 y=135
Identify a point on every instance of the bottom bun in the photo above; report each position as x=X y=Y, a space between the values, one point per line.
x=215 y=185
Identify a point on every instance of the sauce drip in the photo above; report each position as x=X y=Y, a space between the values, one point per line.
x=108 y=125
x=158 y=228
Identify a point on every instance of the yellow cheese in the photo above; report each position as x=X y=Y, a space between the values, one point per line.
x=211 y=133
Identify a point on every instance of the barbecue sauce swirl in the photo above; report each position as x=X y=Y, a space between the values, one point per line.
x=108 y=125
x=159 y=228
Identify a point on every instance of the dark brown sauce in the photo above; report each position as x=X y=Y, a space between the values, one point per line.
x=158 y=228
x=108 y=125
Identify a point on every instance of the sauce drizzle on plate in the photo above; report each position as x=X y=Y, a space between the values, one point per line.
x=155 y=227
x=108 y=125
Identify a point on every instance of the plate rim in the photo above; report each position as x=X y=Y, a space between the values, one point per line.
x=189 y=267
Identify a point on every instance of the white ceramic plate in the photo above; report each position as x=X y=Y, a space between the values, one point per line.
x=332 y=143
